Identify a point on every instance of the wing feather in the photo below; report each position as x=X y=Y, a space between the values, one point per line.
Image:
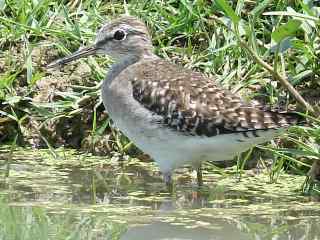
x=192 y=103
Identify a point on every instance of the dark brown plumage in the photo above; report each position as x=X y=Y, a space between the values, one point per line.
x=192 y=103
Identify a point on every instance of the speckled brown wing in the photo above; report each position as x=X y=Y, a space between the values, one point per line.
x=193 y=103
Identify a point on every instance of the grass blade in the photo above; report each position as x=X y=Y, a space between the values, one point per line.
x=229 y=11
x=286 y=30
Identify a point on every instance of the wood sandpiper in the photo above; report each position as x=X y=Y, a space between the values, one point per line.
x=176 y=115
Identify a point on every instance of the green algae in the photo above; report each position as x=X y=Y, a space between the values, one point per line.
x=73 y=195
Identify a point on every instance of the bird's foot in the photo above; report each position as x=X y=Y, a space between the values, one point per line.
x=312 y=177
x=196 y=176
x=199 y=177
x=169 y=182
x=314 y=172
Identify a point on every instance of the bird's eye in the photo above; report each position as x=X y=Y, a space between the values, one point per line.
x=119 y=35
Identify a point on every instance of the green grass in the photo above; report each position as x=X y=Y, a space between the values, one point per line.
x=200 y=35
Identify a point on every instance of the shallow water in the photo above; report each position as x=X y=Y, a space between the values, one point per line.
x=70 y=195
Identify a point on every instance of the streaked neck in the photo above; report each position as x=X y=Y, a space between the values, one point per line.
x=125 y=62
x=119 y=66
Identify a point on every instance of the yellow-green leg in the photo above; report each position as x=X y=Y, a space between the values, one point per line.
x=199 y=176
x=169 y=182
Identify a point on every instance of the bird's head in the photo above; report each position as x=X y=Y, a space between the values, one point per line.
x=125 y=36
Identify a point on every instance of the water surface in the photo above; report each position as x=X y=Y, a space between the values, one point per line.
x=70 y=195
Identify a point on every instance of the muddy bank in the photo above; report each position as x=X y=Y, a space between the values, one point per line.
x=61 y=107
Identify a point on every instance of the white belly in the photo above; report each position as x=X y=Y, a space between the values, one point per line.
x=171 y=149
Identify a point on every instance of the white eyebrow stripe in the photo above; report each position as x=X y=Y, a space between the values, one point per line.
x=105 y=33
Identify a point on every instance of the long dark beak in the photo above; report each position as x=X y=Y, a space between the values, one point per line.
x=84 y=52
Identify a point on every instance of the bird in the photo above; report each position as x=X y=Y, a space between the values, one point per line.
x=178 y=116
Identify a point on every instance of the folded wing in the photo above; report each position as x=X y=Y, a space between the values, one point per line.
x=192 y=103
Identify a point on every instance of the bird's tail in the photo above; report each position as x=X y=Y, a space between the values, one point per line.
x=254 y=119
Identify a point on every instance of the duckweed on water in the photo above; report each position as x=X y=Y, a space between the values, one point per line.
x=79 y=196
